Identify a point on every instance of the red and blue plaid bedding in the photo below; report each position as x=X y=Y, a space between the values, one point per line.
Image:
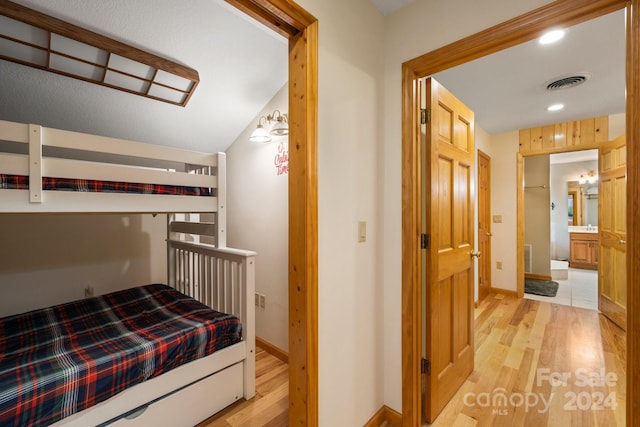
x=21 y=182
x=63 y=359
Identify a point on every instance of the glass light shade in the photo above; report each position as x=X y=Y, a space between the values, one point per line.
x=582 y=180
x=280 y=128
x=260 y=135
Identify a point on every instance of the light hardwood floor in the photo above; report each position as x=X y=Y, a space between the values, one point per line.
x=566 y=362
x=541 y=364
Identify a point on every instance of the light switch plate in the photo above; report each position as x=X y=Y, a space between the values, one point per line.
x=362 y=231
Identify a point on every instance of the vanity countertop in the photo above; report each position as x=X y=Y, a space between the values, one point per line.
x=583 y=229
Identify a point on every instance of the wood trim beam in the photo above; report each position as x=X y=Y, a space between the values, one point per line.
x=293 y=22
x=282 y=16
x=411 y=293
x=510 y=33
x=303 y=228
x=633 y=207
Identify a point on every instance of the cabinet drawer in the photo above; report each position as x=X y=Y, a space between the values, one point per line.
x=190 y=405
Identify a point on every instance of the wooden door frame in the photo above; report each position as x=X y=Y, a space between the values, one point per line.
x=301 y=29
x=483 y=256
x=510 y=33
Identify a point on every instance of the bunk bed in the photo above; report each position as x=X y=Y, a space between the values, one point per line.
x=45 y=170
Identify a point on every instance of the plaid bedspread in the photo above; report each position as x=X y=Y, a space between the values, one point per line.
x=21 y=182
x=60 y=360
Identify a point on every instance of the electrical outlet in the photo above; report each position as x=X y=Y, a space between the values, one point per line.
x=499 y=265
x=263 y=301
x=88 y=291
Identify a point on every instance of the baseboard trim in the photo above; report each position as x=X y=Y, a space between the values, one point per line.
x=506 y=292
x=536 y=276
x=273 y=350
x=385 y=414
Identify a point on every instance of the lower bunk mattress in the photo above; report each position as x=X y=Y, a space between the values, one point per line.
x=60 y=360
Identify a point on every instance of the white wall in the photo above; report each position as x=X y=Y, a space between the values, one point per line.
x=50 y=259
x=350 y=296
x=503 y=203
x=537 y=212
x=257 y=219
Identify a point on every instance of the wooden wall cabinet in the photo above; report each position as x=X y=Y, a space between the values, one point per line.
x=583 y=250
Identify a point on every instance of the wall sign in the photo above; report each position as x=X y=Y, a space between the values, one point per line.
x=281 y=159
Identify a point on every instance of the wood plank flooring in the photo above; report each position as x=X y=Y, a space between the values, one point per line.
x=537 y=364
x=269 y=406
x=541 y=364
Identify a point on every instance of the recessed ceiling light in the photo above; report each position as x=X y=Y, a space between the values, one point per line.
x=551 y=36
x=555 y=107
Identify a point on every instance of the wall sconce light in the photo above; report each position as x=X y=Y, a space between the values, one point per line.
x=280 y=127
x=590 y=178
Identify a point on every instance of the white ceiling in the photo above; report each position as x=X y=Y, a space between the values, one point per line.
x=507 y=90
x=242 y=65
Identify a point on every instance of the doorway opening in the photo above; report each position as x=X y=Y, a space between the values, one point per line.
x=561 y=228
x=523 y=28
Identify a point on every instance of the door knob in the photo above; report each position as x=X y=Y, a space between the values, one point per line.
x=489 y=233
x=475 y=254
x=623 y=242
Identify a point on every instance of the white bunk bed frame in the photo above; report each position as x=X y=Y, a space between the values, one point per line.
x=199 y=263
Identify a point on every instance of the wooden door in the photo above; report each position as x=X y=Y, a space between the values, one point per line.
x=448 y=205
x=484 y=225
x=612 y=226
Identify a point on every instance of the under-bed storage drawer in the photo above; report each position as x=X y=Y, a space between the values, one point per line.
x=192 y=404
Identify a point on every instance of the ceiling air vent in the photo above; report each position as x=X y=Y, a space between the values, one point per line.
x=568 y=81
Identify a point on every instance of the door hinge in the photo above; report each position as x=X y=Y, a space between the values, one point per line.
x=425 y=241
x=425 y=366
x=425 y=115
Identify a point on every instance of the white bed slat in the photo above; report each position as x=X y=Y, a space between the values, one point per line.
x=221 y=234
x=16 y=132
x=35 y=164
x=14 y=164
x=65 y=168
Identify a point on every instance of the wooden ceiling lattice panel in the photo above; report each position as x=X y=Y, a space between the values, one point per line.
x=31 y=38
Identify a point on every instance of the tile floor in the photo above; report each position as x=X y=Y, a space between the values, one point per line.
x=580 y=289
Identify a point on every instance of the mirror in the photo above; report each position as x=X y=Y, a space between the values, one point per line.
x=582 y=203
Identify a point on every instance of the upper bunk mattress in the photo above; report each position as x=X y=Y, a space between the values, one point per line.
x=63 y=359
x=21 y=182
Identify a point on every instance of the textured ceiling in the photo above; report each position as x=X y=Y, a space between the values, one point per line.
x=241 y=67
